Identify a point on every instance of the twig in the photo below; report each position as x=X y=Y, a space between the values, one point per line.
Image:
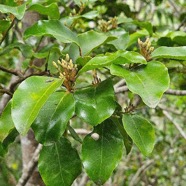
x=170 y=91
x=142 y=169
x=14 y=72
x=175 y=124
x=30 y=168
x=177 y=11
x=14 y=84
x=121 y=89
x=6 y=92
x=176 y=92
x=172 y=110
x=120 y=83
x=181 y=24
x=82 y=131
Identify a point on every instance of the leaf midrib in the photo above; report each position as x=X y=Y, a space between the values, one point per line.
x=33 y=110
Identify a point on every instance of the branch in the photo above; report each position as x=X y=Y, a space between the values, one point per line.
x=82 y=131
x=120 y=83
x=120 y=89
x=142 y=169
x=172 y=110
x=170 y=91
x=172 y=3
x=6 y=92
x=30 y=168
x=14 y=72
x=175 y=124
x=176 y=92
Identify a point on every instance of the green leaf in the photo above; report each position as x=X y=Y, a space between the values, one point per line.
x=91 y=40
x=90 y=15
x=51 y=10
x=121 y=42
x=6 y=123
x=179 y=37
x=146 y=25
x=170 y=52
x=29 y=98
x=59 y=164
x=95 y=104
x=149 y=82
x=4 y=25
x=54 y=28
x=119 y=57
x=100 y=156
x=10 y=138
x=126 y=138
x=25 y=49
x=17 y=11
x=134 y=37
x=141 y=132
x=88 y=41
x=53 y=117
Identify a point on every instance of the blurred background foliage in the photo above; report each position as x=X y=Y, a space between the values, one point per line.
x=164 y=21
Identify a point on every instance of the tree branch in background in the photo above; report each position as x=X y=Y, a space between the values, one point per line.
x=14 y=72
x=6 y=92
x=30 y=168
x=142 y=169
x=119 y=89
x=176 y=92
x=175 y=124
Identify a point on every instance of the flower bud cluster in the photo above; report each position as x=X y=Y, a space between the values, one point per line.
x=145 y=48
x=105 y=26
x=67 y=71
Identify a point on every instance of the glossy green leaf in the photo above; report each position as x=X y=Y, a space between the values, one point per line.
x=119 y=57
x=6 y=123
x=146 y=25
x=126 y=138
x=96 y=103
x=92 y=39
x=148 y=81
x=51 y=10
x=141 y=132
x=84 y=2
x=101 y=155
x=59 y=164
x=122 y=42
x=88 y=41
x=25 y=49
x=54 y=28
x=17 y=11
x=8 y=140
x=170 y=52
x=2 y=151
x=29 y=98
x=179 y=37
x=90 y=15
x=53 y=117
x=134 y=36
x=4 y=25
